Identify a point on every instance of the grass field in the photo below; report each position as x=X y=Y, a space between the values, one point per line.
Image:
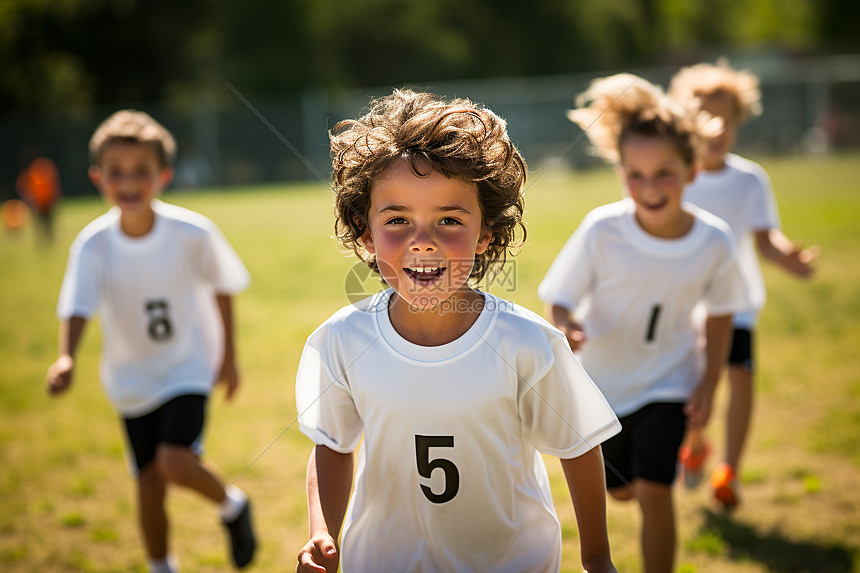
x=66 y=500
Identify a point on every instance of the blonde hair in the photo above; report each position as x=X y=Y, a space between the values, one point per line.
x=616 y=107
x=132 y=126
x=693 y=83
x=456 y=138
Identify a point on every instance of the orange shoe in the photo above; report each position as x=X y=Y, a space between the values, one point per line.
x=691 y=463
x=726 y=486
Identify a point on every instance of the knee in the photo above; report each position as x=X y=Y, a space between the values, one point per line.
x=173 y=462
x=150 y=482
x=653 y=494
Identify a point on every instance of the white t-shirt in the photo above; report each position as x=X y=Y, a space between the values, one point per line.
x=635 y=295
x=162 y=334
x=449 y=476
x=742 y=196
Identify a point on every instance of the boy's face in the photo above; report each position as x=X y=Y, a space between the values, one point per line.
x=425 y=233
x=721 y=105
x=130 y=176
x=655 y=175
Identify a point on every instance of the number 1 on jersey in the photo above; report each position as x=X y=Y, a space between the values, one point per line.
x=652 y=324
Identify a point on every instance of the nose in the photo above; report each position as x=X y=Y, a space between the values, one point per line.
x=422 y=242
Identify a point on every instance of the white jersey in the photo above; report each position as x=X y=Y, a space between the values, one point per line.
x=450 y=476
x=162 y=335
x=742 y=196
x=635 y=296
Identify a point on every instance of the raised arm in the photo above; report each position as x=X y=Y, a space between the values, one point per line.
x=718 y=331
x=61 y=372
x=328 y=483
x=777 y=248
x=587 y=485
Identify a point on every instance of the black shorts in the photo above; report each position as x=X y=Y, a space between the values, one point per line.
x=741 y=353
x=179 y=421
x=647 y=446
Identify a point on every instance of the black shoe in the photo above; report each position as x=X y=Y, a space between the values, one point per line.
x=242 y=541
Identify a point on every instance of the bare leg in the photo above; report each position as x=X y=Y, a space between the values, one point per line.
x=739 y=413
x=658 y=526
x=180 y=465
x=696 y=439
x=151 y=491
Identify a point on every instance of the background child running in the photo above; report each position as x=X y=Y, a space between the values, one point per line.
x=161 y=278
x=738 y=191
x=456 y=392
x=624 y=289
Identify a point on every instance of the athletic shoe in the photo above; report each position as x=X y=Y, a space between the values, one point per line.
x=691 y=464
x=726 y=486
x=242 y=540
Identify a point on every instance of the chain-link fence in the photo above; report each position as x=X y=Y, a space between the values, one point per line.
x=810 y=105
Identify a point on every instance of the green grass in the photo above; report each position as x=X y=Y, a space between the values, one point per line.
x=66 y=500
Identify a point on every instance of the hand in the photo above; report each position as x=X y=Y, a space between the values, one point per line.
x=318 y=555
x=698 y=409
x=229 y=376
x=574 y=333
x=59 y=377
x=799 y=261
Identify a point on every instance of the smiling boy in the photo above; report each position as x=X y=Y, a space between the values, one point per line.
x=162 y=279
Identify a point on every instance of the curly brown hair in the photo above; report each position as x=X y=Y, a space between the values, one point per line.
x=132 y=126
x=457 y=138
x=693 y=83
x=623 y=105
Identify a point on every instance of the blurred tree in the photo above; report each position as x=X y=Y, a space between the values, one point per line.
x=72 y=54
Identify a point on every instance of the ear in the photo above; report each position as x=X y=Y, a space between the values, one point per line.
x=367 y=240
x=484 y=241
x=165 y=177
x=619 y=170
x=694 y=170
x=95 y=175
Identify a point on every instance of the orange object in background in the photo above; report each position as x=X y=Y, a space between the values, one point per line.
x=15 y=213
x=39 y=184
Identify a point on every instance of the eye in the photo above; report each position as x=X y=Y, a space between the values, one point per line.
x=449 y=221
x=396 y=221
x=665 y=173
x=634 y=176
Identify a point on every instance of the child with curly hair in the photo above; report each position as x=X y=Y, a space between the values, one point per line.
x=626 y=287
x=738 y=191
x=456 y=392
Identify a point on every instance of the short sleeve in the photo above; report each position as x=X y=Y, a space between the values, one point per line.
x=570 y=276
x=764 y=213
x=220 y=264
x=326 y=410
x=80 y=292
x=563 y=412
x=726 y=292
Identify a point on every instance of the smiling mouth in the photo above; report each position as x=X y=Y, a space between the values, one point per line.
x=655 y=206
x=128 y=197
x=425 y=276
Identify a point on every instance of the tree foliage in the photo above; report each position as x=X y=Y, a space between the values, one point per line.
x=68 y=55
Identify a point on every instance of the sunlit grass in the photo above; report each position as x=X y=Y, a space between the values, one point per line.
x=67 y=501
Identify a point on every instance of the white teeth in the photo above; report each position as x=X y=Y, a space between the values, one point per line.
x=424 y=269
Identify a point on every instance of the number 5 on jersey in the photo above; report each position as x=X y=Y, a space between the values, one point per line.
x=426 y=467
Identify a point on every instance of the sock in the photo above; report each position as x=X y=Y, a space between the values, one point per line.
x=231 y=507
x=167 y=565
